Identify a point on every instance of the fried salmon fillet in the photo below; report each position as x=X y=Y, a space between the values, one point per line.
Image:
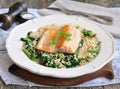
x=64 y=40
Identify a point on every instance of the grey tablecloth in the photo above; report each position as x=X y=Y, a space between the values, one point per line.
x=8 y=78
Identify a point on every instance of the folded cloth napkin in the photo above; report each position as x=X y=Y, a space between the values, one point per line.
x=60 y=6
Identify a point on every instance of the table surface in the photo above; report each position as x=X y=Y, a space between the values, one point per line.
x=3 y=86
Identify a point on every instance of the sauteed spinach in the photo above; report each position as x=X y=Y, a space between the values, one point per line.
x=58 y=60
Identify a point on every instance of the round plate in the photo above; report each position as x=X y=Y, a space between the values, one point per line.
x=14 y=46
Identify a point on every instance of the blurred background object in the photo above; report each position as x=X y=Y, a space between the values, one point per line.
x=14 y=12
x=44 y=3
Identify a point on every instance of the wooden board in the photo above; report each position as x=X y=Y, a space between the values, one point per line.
x=106 y=71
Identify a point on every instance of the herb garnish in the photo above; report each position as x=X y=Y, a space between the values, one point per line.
x=88 y=33
x=66 y=35
x=52 y=41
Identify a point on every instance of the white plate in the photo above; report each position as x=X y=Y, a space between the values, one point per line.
x=13 y=45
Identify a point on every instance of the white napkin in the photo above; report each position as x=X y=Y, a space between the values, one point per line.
x=8 y=78
x=87 y=8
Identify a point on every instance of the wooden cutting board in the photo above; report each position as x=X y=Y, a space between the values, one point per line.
x=106 y=72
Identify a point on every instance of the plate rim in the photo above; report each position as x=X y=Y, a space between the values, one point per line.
x=54 y=75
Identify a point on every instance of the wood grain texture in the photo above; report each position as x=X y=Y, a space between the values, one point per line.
x=114 y=3
x=99 y=2
x=106 y=3
x=30 y=3
x=43 y=4
x=106 y=71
